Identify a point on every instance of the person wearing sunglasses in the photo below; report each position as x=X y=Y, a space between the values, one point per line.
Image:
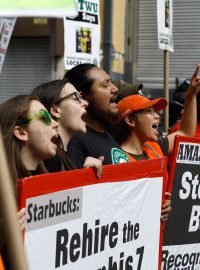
x=67 y=107
x=29 y=134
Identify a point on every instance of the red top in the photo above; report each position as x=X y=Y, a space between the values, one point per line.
x=176 y=127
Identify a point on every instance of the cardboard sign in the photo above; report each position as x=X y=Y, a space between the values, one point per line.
x=165 y=24
x=76 y=221
x=181 y=248
x=82 y=35
x=6 y=29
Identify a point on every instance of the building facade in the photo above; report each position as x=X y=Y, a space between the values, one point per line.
x=35 y=53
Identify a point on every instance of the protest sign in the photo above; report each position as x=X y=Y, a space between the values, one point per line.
x=45 y=8
x=165 y=23
x=6 y=29
x=76 y=221
x=181 y=248
x=82 y=35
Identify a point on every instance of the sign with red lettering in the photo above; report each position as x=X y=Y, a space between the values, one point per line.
x=76 y=221
x=181 y=248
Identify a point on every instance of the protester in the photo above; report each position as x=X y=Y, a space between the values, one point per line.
x=176 y=104
x=139 y=124
x=28 y=133
x=126 y=89
x=176 y=125
x=96 y=87
x=138 y=132
x=67 y=107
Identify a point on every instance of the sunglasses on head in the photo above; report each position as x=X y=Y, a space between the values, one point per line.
x=42 y=115
x=76 y=95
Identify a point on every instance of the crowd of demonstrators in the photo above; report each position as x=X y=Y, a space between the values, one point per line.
x=101 y=94
x=31 y=136
x=67 y=107
x=62 y=125
x=139 y=120
x=138 y=133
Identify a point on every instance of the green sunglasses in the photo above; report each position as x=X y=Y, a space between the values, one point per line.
x=42 y=115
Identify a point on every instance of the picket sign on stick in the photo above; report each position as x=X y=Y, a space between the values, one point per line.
x=13 y=236
x=181 y=240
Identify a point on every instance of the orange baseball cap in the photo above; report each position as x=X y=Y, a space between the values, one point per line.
x=137 y=102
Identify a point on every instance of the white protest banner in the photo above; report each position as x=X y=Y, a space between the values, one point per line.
x=41 y=8
x=165 y=24
x=76 y=221
x=6 y=29
x=181 y=245
x=82 y=35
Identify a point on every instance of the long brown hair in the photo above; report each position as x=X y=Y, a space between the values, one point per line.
x=48 y=94
x=14 y=112
x=80 y=77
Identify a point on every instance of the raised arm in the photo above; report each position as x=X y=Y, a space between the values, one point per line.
x=189 y=117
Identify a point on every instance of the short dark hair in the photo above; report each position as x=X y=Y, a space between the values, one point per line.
x=79 y=77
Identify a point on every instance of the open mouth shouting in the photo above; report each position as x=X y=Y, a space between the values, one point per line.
x=155 y=126
x=55 y=139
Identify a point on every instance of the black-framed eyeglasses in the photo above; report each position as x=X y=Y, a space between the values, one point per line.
x=77 y=96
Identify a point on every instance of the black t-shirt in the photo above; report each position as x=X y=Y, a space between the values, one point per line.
x=36 y=172
x=57 y=164
x=95 y=144
x=54 y=164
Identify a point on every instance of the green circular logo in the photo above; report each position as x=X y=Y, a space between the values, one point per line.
x=118 y=156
